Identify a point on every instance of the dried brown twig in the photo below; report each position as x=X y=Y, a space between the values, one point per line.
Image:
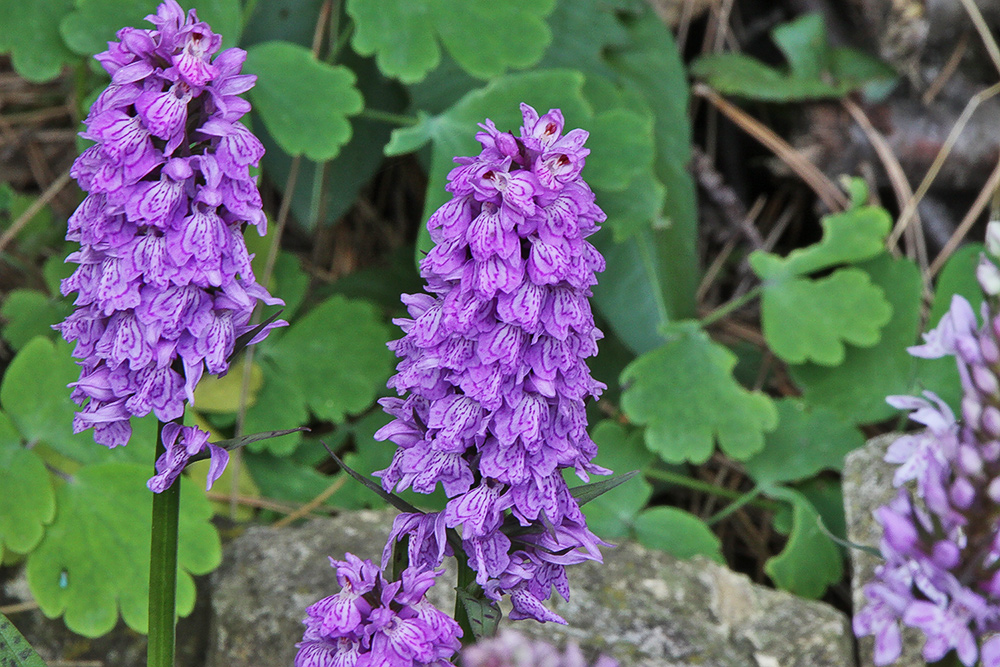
x=825 y=189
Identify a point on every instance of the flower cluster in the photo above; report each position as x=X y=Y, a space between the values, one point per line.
x=493 y=362
x=512 y=650
x=373 y=622
x=164 y=284
x=941 y=541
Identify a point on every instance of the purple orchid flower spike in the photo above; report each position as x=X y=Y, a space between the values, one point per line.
x=940 y=532
x=164 y=284
x=493 y=364
x=373 y=621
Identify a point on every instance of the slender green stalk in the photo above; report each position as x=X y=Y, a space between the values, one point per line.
x=389 y=117
x=746 y=498
x=731 y=306
x=466 y=578
x=163 y=571
x=661 y=475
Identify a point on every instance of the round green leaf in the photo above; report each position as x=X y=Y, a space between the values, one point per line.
x=677 y=532
x=303 y=102
x=810 y=561
x=27 y=502
x=94 y=559
x=336 y=355
x=612 y=514
x=686 y=394
x=31 y=34
x=807 y=440
x=484 y=37
x=30 y=313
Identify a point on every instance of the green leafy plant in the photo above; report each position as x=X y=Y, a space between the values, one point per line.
x=815 y=69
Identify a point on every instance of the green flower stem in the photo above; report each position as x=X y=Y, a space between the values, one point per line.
x=661 y=475
x=745 y=499
x=388 y=117
x=466 y=582
x=729 y=307
x=163 y=571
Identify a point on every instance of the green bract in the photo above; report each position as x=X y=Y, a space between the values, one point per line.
x=14 y=648
x=686 y=394
x=404 y=35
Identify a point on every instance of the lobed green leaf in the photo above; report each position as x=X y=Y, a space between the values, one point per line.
x=93 y=562
x=677 y=532
x=303 y=102
x=89 y=28
x=808 y=439
x=815 y=70
x=31 y=36
x=810 y=561
x=28 y=501
x=810 y=320
x=336 y=356
x=405 y=35
x=851 y=236
x=612 y=515
x=29 y=313
x=685 y=393
x=856 y=388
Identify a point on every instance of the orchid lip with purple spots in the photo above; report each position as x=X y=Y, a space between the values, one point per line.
x=164 y=284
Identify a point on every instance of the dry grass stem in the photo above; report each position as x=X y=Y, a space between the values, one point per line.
x=18 y=608
x=947 y=71
x=825 y=189
x=911 y=206
x=984 y=197
x=897 y=177
x=313 y=504
x=50 y=192
x=984 y=31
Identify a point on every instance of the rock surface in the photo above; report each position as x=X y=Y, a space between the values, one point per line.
x=645 y=608
x=867 y=486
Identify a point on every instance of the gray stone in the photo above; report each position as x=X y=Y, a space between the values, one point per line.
x=867 y=485
x=643 y=607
